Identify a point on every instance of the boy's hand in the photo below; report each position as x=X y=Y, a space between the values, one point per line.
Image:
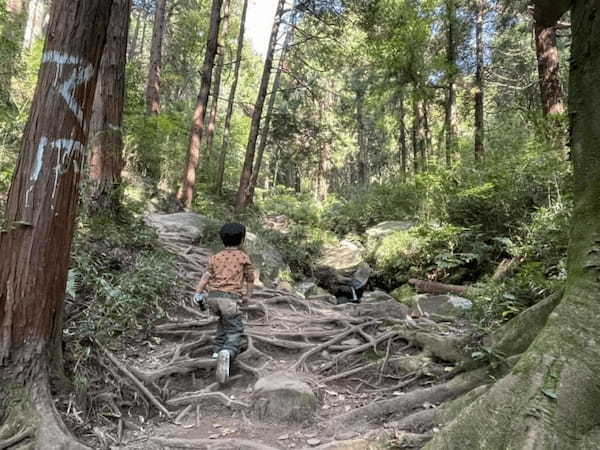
x=199 y=300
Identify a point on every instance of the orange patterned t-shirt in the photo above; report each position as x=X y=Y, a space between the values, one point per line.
x=228 y=270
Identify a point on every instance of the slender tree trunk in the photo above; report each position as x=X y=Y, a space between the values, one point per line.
x=402 y=136
x=363 y=155
x=144 y=27
x=243 y=197
x=136 y=33
x=450 y=109
x=35 y=241
x=426 y=142
x=32 y=20
x=153 y=86
x=186 y=192
x=548 y=67
x=106 y=134
x=230 y=103
x=264 y=131
x=212 y=117
x=416 y=132
x=479 y=86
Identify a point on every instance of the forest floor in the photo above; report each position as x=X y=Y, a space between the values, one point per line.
x=311 y=374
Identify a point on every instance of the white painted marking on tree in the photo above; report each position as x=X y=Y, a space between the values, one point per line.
x=39 y=158
x=82 y=73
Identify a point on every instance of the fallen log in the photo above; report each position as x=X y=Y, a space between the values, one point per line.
x=433 y=287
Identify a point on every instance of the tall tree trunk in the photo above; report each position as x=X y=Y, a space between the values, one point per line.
x=479 y=87
x=35 y=241
x=106 y=134
x=450 y=107
x=426 y=145
x=243 y=197
x=402 y=136
x=363 y=154
x=264 y=131
x=144 y=27
x=186 y=192
x=548 y=66
x=136 y=33
x=549 y=399
x=212 y=117
x=154 y=67
x=32 y=19
x=417 y=132
x=230 y=103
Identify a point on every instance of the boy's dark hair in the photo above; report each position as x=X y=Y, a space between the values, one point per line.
x=232 y=234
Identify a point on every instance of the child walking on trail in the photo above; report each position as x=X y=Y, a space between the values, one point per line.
x=228 y=283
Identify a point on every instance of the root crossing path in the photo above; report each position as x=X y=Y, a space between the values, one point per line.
x=311 y=374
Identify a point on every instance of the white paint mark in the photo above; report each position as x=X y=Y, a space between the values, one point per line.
x=82 y=73
x=27 y=196
x=39 y=158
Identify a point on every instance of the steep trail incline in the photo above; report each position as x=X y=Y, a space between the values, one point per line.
x=311 y=374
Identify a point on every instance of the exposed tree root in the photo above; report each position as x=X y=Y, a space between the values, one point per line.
x=194 y=398
x=212 y=444
x=407 y=403
x=180 y=366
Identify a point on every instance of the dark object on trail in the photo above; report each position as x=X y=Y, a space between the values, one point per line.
x=351 y=292
x=199 y=300
x=346 y=289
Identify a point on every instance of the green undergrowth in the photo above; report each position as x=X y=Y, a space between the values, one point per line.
x=118 y=285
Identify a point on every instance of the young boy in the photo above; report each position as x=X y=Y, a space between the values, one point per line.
x=229 y=280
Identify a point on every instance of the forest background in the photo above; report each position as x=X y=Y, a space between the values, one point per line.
x=445 y=113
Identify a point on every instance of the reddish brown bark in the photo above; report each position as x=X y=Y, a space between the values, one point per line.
x=548 y=67
x=244 y=195
x=212 y=118
x=106 y=133
x=264 y=132
x=186 y=192
x=450 y=119
x=36 y=238
x=153 y=87
x=479 y=87
x=402 y=136
x=230 y=102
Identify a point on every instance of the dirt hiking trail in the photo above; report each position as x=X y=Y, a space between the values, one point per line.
x=311 y=374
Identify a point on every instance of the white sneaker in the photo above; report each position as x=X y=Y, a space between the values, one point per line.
x=215 y=355
x=223 y=367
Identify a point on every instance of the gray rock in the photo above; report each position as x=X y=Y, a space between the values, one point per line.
x=266 y=258
x=445 y=305
x=344 y=257
x=377 y=296
x=283 y=397
x=189 y=225
x=385 y=228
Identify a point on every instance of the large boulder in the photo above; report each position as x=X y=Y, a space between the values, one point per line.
x=267 y=259
x=444 y=305
x=187 y=225
x=283 y=397
x=344 y=258
x=386 y=228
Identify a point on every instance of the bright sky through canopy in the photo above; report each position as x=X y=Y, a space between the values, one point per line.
x=259 y=23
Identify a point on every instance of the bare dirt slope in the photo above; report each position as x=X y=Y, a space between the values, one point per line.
x=312 y=374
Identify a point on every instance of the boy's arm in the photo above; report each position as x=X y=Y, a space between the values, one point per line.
x=201 y=286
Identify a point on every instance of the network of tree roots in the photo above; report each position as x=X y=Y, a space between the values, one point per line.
x=376 y=377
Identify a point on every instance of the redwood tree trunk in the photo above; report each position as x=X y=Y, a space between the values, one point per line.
x=212 y=117
x=154 y=67
x=548 y=67
x=264 y=132
x=450 y=107
x=479 y=87
x=363 y=161
x=186 y=192
x=132 y=49
x=230 y=103
x=402 y=136
x=243 y=197
x=40 y=215
x=106 y=133
x=549 y=400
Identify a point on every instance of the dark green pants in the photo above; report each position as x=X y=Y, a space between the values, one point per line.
x=230 y=327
